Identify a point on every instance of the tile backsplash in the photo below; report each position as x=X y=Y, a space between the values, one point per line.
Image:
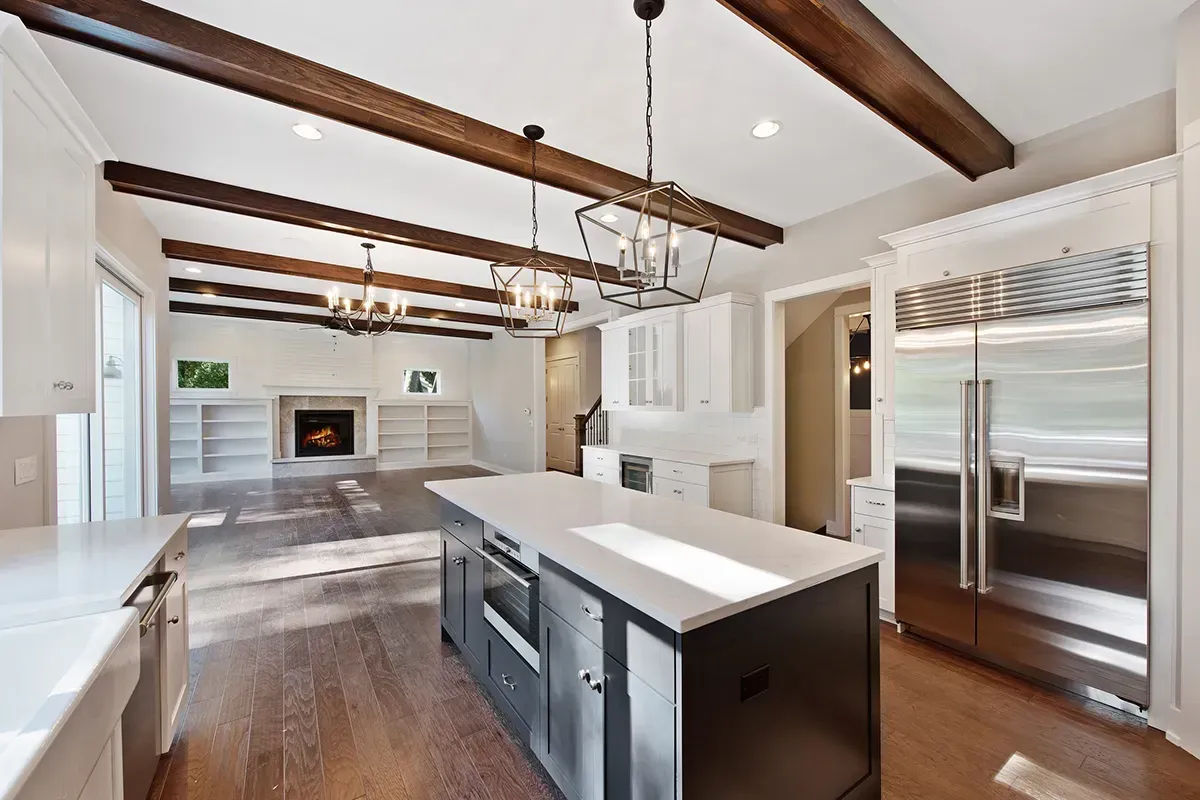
x=719 y=434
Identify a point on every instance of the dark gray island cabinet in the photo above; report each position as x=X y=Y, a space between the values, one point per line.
x=695 y=673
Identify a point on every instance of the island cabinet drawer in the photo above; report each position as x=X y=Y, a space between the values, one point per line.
x=514 y=680
x=467 y=528
x=874 y=502
x=678 y=471
x=642 y=645
x=600 y=458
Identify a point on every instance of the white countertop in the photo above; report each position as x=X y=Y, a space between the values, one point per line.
x=84 y=664
x=683 y=565
x=62 y=571
x=886 y=483
x=684 y=456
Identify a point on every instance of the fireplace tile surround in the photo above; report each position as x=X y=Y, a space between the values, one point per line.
x=290 y=404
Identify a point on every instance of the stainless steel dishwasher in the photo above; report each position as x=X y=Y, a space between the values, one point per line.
x=143 y=714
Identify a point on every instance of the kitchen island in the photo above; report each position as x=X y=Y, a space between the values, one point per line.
x=649 y=649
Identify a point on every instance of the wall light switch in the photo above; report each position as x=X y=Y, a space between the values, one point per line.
x=27 y=470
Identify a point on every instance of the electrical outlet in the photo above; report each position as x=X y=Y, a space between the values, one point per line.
x=26 y=470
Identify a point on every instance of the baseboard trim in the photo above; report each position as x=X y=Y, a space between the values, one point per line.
x=495 y=468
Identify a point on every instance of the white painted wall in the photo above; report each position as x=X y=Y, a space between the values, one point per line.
x=265 y=354
x=508 y=383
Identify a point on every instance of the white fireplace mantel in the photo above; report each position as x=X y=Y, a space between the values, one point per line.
x=322 y=391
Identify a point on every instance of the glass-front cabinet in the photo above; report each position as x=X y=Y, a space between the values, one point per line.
x=652 y=357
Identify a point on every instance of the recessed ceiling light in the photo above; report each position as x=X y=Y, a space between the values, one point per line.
x=306 y=131
x=460 y=304
x=609 y=218
x=208 y=294
x=193 y=270
x=765 y=129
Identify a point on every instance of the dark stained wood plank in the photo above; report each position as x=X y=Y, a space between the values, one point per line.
x=187 y=771
x=500 y=766
x=334 y=273
x=381 y=774
x=266 y=315
x=339 y=758
x=227 y=771
x=416 y=762
x=267 y=295
x=847 y=44
x=264 y=779
x=165 y=39
x=176 y=188
x=302 y=777
x=393 y=702
x=239 y=686
x=458 y=770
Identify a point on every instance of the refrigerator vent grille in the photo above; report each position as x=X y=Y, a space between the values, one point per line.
x=1065 y=284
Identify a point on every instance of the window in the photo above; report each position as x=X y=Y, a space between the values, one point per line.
x=201 y=374
x=99 y=456
x=422 y=381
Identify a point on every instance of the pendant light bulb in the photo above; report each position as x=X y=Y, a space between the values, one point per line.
x=867 y=364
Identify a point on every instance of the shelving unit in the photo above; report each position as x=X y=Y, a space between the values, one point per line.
x=214 y=440
x=417 y=434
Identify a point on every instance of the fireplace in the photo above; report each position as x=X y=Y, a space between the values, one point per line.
x=324 y=433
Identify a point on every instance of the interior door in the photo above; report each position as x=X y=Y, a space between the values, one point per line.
x=935 y=554
x=1063 y=554
x=562 y=403
x=554 y=424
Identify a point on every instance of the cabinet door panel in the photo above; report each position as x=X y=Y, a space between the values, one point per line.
x=174 y=661
x=69 y=278
x=474 y=629
x=453 y=581
x=571 y=728
x=639 y=738
x=879 y=533
x=697 y=370
x=720 y=359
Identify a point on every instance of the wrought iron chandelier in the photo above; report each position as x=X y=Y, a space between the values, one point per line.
x=534 y=292
x=367 y=319
x=661 y=237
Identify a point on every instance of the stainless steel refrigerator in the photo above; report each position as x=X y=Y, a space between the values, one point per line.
x=1021 y=466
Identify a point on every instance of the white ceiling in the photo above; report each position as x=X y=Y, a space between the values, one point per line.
x=575 y=67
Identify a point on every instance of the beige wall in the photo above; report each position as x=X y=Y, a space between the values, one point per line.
x=586 y=344
x=810 y=440
x=128 y=236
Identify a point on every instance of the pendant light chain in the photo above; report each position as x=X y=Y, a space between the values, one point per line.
x=649 y=108
x=534 y=182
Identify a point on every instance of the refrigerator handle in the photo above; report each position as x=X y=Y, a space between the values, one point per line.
x=983 y=461
x=964 y=515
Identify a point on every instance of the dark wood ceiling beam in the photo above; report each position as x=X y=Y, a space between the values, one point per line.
x=163 y=38
x=175 y=188
x=315 y=320
x=843 y=41
x=266 y=295
x=320 y=270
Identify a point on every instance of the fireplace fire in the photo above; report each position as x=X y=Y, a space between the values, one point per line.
x=324 y=433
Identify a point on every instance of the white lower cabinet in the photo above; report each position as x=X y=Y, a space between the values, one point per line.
x=873 y=523
x=690 y=493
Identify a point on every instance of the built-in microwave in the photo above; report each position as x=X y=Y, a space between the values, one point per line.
x=510 y=591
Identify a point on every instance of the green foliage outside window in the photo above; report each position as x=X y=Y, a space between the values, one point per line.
x=422 y=381
x=203 y=374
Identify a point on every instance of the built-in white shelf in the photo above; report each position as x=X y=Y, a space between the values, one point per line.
x=422 y=433
x=213 y=439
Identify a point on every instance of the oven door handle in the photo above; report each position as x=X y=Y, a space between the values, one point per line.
x=504 y=567
x=167 y=580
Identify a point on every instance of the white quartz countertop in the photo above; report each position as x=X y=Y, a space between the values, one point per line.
x=885 y=482
x=62 y=571
x=683 y=456
x=684 y=566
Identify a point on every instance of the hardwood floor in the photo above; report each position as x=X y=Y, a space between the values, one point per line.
x=318 y=672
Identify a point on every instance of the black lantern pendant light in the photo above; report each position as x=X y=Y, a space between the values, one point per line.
x=534 y=292
x=661 y=238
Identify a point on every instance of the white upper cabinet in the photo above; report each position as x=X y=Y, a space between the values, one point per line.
x=48 y=164
x=696 y=358
x=718 y=354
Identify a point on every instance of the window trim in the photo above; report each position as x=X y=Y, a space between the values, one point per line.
x=176 y=389
x=404 y=382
